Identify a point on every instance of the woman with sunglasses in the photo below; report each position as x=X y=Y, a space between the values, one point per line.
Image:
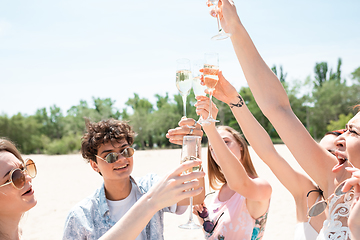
x=327 y=170
x=107 y=147
x=16 y=193
x=240 y=206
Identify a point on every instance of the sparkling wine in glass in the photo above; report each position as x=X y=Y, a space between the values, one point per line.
x=183 y=79
x=191 y=150
x=211 y=69
x=199 y=90
x=221 y=33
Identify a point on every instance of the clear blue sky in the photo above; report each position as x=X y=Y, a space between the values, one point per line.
x=61 y=52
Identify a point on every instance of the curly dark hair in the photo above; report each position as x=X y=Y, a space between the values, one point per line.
x=99 y=133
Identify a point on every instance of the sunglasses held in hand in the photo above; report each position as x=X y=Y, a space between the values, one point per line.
x=113 y=157
x=17 y=175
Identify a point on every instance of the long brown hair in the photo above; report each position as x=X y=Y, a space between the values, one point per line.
x=216 y=176
x=9 y=146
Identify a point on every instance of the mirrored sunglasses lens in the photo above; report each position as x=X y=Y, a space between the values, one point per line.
x=317 y=209
x=128 y=152
x=31 y=168
x=111 y=157
x=18 y=178
x=338 y=191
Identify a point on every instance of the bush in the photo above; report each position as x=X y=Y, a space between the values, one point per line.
x=67 y=144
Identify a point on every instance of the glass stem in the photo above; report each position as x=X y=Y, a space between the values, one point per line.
x=191 y=207
x=210 y=106
x=218 y=21
x=184 y=103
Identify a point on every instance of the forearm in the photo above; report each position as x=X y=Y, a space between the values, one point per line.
x=134 y=221
x=261 y=142
x=265 y=86
x=233 y=170
x=274 y=103
x=255 y=134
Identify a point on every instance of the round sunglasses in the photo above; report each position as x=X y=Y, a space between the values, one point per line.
x=208 y=225
x=320 y=206
x=17 y=175
x=113 y=157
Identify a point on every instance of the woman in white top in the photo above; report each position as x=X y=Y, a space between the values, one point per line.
x=324 y=168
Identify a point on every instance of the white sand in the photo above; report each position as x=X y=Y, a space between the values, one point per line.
x=64 y=180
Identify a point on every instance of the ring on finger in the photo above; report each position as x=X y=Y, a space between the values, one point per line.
x=191 y=131
x=195 y=124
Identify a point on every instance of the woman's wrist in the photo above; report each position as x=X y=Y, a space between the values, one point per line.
x=236 y=102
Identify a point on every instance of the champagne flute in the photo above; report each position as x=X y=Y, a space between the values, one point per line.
x=211 y=69
x=221 y=34
x=199 y=90
x=191 y=150
x=183 y=79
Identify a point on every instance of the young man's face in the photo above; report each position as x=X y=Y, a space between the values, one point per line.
x=121 y=169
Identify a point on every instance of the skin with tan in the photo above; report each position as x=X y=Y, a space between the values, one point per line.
x=13 y=202
x=324 y=168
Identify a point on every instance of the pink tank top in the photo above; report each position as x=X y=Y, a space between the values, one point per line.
x=236 y=222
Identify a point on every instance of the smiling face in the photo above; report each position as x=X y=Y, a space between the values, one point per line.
x=119 y=170
x=13 y=201
x=348 y=145
x=328 y=142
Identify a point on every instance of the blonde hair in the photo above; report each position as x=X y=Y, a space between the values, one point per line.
x=215 y=174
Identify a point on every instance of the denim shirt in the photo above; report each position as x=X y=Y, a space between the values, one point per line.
x=90 y=219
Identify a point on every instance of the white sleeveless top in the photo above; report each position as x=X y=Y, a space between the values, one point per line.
x=304 y=231
x=335 y=226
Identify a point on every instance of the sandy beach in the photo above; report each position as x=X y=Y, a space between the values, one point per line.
x=64 y=180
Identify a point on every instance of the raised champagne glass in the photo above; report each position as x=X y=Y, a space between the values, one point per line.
x=221 y=33
x=191 y=150
x=211 y=69
x=199 y=90
x=183 y=79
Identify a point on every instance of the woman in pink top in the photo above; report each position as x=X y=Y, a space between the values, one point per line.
x=240 y=207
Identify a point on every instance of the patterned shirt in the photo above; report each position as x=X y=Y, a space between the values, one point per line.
x=90 y=219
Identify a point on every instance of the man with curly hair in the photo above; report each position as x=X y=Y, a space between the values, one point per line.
x=107 y=147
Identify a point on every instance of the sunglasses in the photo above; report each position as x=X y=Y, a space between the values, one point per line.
x=17 y=175
x=320 y=206
x=208 y=225
x=113 y=157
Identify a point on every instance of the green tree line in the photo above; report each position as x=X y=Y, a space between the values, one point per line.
x=322 y=104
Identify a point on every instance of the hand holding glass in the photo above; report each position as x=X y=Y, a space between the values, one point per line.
x=221 y=34
x=211 y=69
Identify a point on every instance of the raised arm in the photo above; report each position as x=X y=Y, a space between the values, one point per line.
x=296 y=183
x=254 y=189
x=273 y=101
x=168 y=191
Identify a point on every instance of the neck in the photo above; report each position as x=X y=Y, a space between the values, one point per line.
x=117 y=190
x=9 y=227
x=225 y=193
